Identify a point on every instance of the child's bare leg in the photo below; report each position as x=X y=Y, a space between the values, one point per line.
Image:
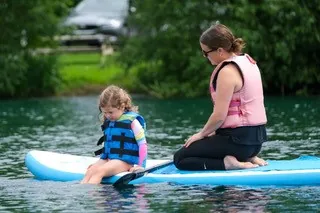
x=231 y=162
x=91 y=169
x=259 y=161
x=111 y=168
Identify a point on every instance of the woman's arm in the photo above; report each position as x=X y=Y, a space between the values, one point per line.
x=227 y=83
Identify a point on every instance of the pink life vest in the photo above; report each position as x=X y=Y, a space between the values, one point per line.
x=247 y=105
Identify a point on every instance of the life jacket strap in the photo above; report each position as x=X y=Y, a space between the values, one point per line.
x=120 y=125
x=101 y=140
x=99 y=152
x=121 y=152
x=122 y=138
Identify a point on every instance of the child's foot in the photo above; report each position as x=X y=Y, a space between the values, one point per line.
x=231 y=162
x=259 y=161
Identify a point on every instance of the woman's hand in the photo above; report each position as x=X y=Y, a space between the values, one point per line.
x=212 y=133
x=193 y=138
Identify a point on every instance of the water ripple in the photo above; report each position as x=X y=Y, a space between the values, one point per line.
x=71 y=125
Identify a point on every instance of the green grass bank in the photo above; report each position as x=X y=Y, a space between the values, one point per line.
x=83 y=73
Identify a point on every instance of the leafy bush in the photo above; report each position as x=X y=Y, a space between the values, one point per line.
x=283 y=36
x=25 y=27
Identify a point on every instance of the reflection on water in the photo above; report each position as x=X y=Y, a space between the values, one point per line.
x=27 y=195
x=71 y=125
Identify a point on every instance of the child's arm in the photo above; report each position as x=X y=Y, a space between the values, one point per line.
x=143 y=150
x=141 y=140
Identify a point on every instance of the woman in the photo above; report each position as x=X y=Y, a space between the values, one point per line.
x=235 y=131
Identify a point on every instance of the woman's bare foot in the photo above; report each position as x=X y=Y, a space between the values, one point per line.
x=259 y=161
x=231 y=162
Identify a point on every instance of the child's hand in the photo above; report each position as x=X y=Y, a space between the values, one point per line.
x=135 y=168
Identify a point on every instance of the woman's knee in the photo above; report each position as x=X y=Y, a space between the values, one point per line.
x=178 y=164
x=177 y=157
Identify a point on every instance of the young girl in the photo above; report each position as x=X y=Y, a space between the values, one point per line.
x=125 y=143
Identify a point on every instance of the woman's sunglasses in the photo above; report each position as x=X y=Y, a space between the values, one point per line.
x=205 y=53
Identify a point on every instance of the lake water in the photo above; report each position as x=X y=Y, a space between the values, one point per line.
x=71 y=125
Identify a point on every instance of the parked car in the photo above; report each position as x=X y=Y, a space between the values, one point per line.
x=93 y=21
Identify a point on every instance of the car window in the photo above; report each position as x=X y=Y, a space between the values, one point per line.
x=102 y=6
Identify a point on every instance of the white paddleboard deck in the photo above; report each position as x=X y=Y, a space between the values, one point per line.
x=54 y=166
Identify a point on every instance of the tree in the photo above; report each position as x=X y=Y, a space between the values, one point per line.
x=283 y=36
x=26 y=26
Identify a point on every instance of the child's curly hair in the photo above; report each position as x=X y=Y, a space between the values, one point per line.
x=116 y=97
